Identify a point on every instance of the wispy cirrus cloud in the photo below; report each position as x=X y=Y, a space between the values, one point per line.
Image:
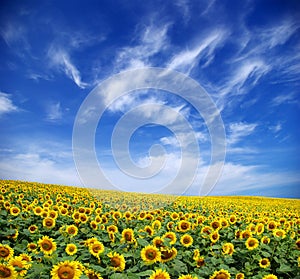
x=54 y=112
x=238 y=131
x=6 y=104
x=60 y=59
x=186 y=60
x=151 y=40
x=289 y=98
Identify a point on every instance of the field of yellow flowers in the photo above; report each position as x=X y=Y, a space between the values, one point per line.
x=59 y=232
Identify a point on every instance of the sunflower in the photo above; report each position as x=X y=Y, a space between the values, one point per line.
x=156 y=225
x=221 y=274
x=92 y=274
x=206 y=231
x=149 y=230
x=72 y=230
x=215 y=224
x=20 y=264
x=38 y=210
x=186 y=240
x=240 y=276
x=71 y=249
x=270 y=276
x=264 y=263
x=188 y=276
x=171 y=236
x=158 y=242
x=168 y=254
x=94 y=225
x=117 y=261
x=112 y=229
x=6 y=252
x=15 y=211
x=7 y=271
x=117 y=215
x=259 y=228
x=265 y=240
x=196 y=254
x=150 y=254
x=251 y=243
x=214 y=237
x=279 y=233
x=32 y=228
x=47 y=245
x=160 y=274
x=228 y=248
x=96 y=248
x=49 y=223
x=66 y=270
x=245 y=234
x=272 y=225
x=200 y=261
x=128 y=236
x=184 y=226
x=174 y=216
x=232 y=219
x=298 y=244
x=31 y=246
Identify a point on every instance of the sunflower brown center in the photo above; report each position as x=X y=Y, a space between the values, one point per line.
x=151 y=254
x=96 y=248
x=115 y=261
x=66 y=272
x=5 y=272
x=186 y=240
x=222 y=276
x=47 y=245
x=4 y=252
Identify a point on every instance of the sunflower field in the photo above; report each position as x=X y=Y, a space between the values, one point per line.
x=59 y=232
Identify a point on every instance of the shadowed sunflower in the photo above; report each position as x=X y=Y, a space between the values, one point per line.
x=158 y=242
x=200 y=261
x=221 y=274
x=150 y=254
x=31 y=246
x=214 y=237
x=265 y=240
x=264 y=263
x=117 y=261
x=186 y=240
x=7 y=271
x=96 y=248
x=168 y=254
x=47 y=245
x=6 y=252
x=251 y=243
x=171 y=236
x=128 y=236
x=160 y=274
x=66 y=270
x=298 y=243
x=92 y=274
x=279 y=233
x=112 y=229
x=32 y=228
x=20 y=265
x=228 y=248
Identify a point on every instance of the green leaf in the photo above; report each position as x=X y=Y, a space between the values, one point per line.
x=145 y=273
x=284 y=268
x=118 y=276
x=142 y=242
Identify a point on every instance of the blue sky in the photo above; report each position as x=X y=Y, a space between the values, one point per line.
x=244 y=54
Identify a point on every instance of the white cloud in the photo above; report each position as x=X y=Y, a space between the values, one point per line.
x=238 y=131
x=60 y=58
x=54 y=112
x=152 y=40
x=284 y=99
x=6 y=104
x=186 y=60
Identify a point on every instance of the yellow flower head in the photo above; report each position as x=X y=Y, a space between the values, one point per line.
x=186 y=240
x=270 y=276
x=117 y=261
x=264 y=263
x=72 y=230
x=96 y=248
x=251 y=243
x=150 y=254
x=47 y=245
x=168 y=254
x=71 y=249
x=228 y=248
x=221 y=274
x=66 y=269
x=6 y=252
x=7 y=271
x=188 y=276
x=160 y=274
x=171 y=236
